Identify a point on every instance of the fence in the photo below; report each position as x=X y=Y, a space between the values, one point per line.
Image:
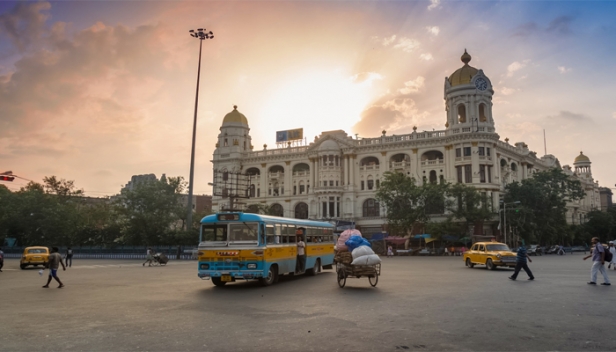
x=127 y=252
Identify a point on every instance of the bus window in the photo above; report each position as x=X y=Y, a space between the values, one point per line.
x=214 y=232
x=283 y=234
x=271 y=234
x=244 y=232
x=291 y=233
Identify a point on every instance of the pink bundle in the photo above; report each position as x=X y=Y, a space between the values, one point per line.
x=344 y=236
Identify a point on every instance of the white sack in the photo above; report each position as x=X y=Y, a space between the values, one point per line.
x=370 y=259
x=361 y=251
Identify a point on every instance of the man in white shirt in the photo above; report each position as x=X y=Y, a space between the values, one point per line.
x=301 y=254
x=612 y=250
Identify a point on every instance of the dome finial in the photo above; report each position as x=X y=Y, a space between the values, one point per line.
x=466 y=58
x=234 y=107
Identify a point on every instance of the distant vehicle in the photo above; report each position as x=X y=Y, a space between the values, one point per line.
x=534 y=249
x=579 y=249
x=34 y=256
x=424 y=251
x=490 y=254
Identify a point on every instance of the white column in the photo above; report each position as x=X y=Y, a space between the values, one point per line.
x=311 y=178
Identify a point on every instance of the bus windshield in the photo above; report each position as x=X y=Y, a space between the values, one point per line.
x=214 y=233
x=244 y=233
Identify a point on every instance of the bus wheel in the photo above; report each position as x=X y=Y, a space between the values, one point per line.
x=218 y=281
x=272 y=276
x=316 y=268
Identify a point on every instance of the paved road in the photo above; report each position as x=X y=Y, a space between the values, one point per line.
x=429 y=303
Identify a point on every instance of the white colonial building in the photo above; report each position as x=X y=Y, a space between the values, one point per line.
x=336 y=176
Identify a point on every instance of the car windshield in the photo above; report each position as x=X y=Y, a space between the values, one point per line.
x=37 y=250
x=497 y=247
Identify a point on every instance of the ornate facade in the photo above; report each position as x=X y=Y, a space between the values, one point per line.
x=336 y=176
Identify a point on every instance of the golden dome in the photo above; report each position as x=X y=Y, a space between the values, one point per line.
x=235 y=117
x=581 y=157
x=464 y=74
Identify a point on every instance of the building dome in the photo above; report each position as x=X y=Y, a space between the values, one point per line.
x=235 y=117
x=329 y=145
x=464 y=74
x=581 y=158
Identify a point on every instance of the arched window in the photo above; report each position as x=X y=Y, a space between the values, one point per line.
x=462 y=113
x=301 y=167
x=276 y=210
x=371 y=208
x=398 y=158
x=276 y=168
x=253 y=171
x=433 y=176
x=370 y=160
x=482 y=113
x=432 y=155
x=514 y=167
x=301 y=211
x=503 y=162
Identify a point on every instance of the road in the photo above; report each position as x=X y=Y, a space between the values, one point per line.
x=420 y=303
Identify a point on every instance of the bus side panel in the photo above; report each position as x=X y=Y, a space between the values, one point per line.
x=283 y=255
x=323 y=251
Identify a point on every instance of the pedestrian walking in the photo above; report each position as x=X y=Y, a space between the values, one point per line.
x=148 y=257
x=390 y=252
x=54 y=261
x=69 y=257
x=598 y=260
x=520 y=263
x=612 y=250
x=1 y=259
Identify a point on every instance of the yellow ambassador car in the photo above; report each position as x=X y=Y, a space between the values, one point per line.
x=490 y=254
x=34 y=256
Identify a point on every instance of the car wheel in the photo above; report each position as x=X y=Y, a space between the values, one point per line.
x=23 y=266
x=490 y=265
x=468 y=263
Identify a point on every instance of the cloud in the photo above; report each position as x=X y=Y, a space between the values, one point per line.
x=560 y=25
x=434 y=4
x=366 y=77
x=426 y=57
x=516 y=66
x=563 y=69
x=506 y=91
x=24 y=24
x=412 y=86
x=407 y=44
x=434 y=30
x=397 y=114
x=387 y=41
x=568 y=116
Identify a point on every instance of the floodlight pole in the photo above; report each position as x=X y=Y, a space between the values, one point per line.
x=200 y=34
x=505 y=216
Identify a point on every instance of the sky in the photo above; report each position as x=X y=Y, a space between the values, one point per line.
x=98 y=91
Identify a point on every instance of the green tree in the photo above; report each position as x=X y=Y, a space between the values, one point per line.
x=469 y=204
x=540 y=216
x=600 y=224
x=151 y=210
x=409 y=205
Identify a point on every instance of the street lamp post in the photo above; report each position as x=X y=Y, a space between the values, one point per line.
x=200 y=34
x=505 y=216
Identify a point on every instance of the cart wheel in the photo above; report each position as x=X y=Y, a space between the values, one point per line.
x=341 y=277
x=374 y=279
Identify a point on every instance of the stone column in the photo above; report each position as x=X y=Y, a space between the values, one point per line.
x=311 y=177
x=288 y=185
x=264 y=180
x=475 y=162
x=415 y=166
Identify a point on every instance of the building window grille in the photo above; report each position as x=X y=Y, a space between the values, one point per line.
x=468 y=173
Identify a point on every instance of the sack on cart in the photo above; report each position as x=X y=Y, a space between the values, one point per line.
x=370 y=259
x=356 y=241
x=361 y=251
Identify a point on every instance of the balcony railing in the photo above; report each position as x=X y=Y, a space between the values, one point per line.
x=432 y=162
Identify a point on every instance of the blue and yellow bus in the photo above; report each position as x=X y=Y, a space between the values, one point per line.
x=241 y=246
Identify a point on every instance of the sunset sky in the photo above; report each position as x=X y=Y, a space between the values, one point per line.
x=98 y=91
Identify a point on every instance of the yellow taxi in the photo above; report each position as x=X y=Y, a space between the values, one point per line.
x=34 y=256
x=490 y=254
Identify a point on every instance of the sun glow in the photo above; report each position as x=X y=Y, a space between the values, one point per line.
x=319 y=101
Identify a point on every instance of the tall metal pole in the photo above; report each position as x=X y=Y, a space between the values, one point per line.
x=505 y=219
x=201 y=35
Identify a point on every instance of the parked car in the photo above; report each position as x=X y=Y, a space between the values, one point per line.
x=490 y=254
x=534 y=249
x=34 y=256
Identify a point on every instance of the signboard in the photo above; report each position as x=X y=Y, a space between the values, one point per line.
x=290 y=135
